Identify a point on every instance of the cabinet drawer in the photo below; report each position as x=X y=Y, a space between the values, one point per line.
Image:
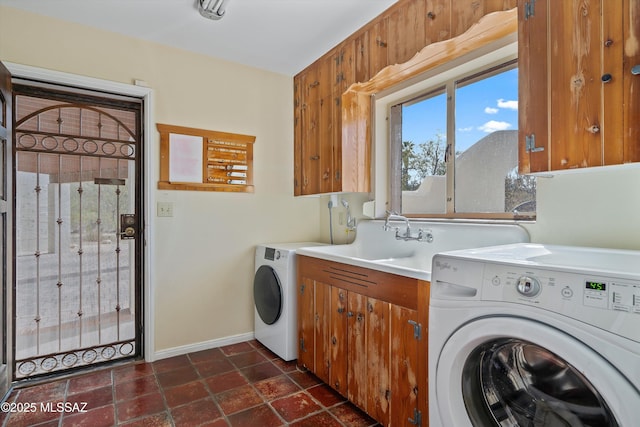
x=387 y=287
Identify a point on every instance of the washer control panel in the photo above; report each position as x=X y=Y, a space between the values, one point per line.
x=597 y=300
x=273 y=254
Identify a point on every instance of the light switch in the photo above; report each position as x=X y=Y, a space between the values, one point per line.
x=165 y=209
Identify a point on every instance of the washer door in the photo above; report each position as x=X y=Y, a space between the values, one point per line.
x=267 y=294
x=518 y=372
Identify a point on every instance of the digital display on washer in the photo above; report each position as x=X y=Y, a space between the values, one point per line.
x=596 y=286
x=269 y=253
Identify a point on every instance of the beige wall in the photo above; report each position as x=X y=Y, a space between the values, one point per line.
x=203 y=260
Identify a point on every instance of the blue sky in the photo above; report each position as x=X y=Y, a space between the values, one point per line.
x=481 y=108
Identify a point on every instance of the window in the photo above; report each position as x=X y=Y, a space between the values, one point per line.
x=454 y=148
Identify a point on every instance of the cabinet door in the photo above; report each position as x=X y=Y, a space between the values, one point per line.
x=404 y=366
x=297 y=136
x=310 y=116
x=322 y=331
x=377 y=349
x=338 y=342
x=306 y=324
x=406 y=31
x=533 y=97
x=358 y=351
x=575 y=85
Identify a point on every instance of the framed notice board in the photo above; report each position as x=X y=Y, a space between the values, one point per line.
x=205 y=160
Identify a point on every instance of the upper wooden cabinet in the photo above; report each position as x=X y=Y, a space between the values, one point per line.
x=578 y=97
x=393 y=37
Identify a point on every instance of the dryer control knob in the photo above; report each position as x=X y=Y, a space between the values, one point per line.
x=528 y=286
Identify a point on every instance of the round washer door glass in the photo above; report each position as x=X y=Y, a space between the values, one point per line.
x=267 y=294
x=513 y=382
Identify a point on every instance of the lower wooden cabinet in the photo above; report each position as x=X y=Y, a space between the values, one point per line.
x=363 y=332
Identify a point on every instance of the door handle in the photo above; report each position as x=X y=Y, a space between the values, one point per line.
x=128 y=226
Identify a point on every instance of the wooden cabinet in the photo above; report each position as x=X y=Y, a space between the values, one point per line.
x=577 y=102
x=393 y=37
x=363 y=332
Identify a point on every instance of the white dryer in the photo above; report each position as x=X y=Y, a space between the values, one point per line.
x=532 y=335
x=275 y=299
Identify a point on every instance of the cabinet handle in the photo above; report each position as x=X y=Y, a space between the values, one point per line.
x=340 y=310
x=635 y=70
x=606 y=78
x=316 y=157
x=334 y=340
x=594 y=129
x=350 y=314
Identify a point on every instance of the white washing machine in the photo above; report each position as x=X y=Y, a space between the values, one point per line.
x=275 y=299
x=533 y=335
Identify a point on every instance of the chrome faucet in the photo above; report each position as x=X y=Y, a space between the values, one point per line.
x=423 y=235
x=392 y=216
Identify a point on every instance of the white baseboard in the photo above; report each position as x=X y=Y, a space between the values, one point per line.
x=205 y=345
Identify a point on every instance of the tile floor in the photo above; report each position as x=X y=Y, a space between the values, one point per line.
x=238 y=385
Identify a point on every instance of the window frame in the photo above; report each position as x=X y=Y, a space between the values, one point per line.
x=481 y=63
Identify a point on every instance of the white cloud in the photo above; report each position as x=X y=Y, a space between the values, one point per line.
x=493 y=125
x=509 y=105
x=467 y=129
x=490 y=110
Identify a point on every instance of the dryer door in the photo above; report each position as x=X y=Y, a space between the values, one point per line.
x=267 y=294
x=517 y=372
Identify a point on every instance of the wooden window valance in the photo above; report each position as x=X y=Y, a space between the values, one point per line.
x=205 y=160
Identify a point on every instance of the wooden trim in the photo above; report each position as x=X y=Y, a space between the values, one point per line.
x=357 y=100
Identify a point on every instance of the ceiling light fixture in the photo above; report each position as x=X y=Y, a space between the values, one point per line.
x=212 y=9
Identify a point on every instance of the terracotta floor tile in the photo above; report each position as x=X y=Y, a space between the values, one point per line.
x=326 y=395
x=249 y=358
x=157 y=420
x=130 y=372
x=196 y=413
x=214 y=367
x=262 y=416
x=290 y=366
x=351 y=416
x=206 y=355
x=305 y=379
x=171 y=363
x=232 y=349
x=243 y=384
x=185 y=393
x=177 y=377
x=295 y=406
x=100 y=417
x=43 y=392
x=142 y=406
x=92 y=399
x=90 y=381
x=225 y=382
x=322 y=419
x=138 y=387
x=238 y=399
x=261 y=372
x=276 y=387
x=38 y=416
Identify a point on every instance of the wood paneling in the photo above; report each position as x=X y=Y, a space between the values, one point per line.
x=393 y=37
x=576 y=88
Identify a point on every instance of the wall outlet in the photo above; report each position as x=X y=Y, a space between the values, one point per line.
x=165 y=209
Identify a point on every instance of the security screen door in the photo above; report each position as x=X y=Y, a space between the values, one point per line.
x=78 y=239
